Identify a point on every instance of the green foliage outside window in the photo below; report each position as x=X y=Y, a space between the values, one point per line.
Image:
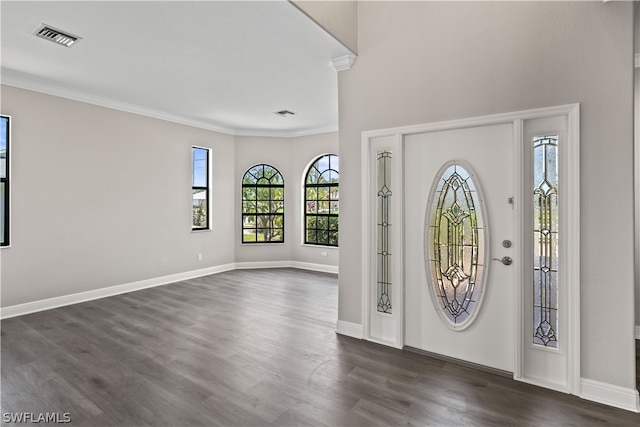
x=322 y=201
x=262 y=205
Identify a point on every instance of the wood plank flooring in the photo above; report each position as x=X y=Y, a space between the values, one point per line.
x=251 y=348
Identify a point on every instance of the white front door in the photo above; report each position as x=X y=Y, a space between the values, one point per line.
x=489 y=152
x=525 y=166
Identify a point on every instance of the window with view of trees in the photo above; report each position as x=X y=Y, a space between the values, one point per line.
x=322 y=201
x=4 y=180
x=200 y=188
x=262 y=205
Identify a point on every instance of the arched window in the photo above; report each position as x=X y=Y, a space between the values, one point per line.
x=322 y=201
x=262 y=205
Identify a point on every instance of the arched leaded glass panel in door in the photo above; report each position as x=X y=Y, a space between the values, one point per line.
x=455 y=240
x=321 y=205
x=262 y=205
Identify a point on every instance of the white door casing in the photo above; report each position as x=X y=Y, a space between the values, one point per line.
x=392 y=330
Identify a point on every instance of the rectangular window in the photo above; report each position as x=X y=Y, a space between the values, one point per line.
x=4 y=179
x=200 y=189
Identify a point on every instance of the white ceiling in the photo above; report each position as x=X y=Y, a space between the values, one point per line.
x=226 y=66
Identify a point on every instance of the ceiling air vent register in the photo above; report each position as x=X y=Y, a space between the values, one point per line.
x=284 y=113
x=54 y=35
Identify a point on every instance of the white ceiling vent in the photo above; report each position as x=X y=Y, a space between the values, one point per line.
x=47 y=32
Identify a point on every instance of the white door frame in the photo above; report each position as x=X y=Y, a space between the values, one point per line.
x=391 y=331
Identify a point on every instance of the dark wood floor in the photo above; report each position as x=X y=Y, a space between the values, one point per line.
x=251 y=348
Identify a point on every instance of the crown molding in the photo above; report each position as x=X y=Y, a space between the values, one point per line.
x=24 y=81
x=28 y=82
x=343 y=63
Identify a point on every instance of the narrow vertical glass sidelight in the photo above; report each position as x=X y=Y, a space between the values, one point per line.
x=383 y=221
x=545 y=240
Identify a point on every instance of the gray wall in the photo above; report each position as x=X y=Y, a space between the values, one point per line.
x=422 y=62
x=636 y=27
x=338 y=18
x=275 y=152
x=291 y=156
x=637 y=192
x=304 y=151
x=102 y=198
x=636 y=30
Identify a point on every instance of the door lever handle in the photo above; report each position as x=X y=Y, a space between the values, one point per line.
x=506 y=260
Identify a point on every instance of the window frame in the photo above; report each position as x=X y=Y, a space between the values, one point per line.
x=306 y=215
x=6 y=242
x=206 y=188
x=270 y=213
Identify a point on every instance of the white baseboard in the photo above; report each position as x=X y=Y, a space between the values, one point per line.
x=263 y=264
x=638 y=332
x=608 y=394
x=288 y=264
x=562 y=388
x=323 y=268
x=49 y=303
x=349 y=329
